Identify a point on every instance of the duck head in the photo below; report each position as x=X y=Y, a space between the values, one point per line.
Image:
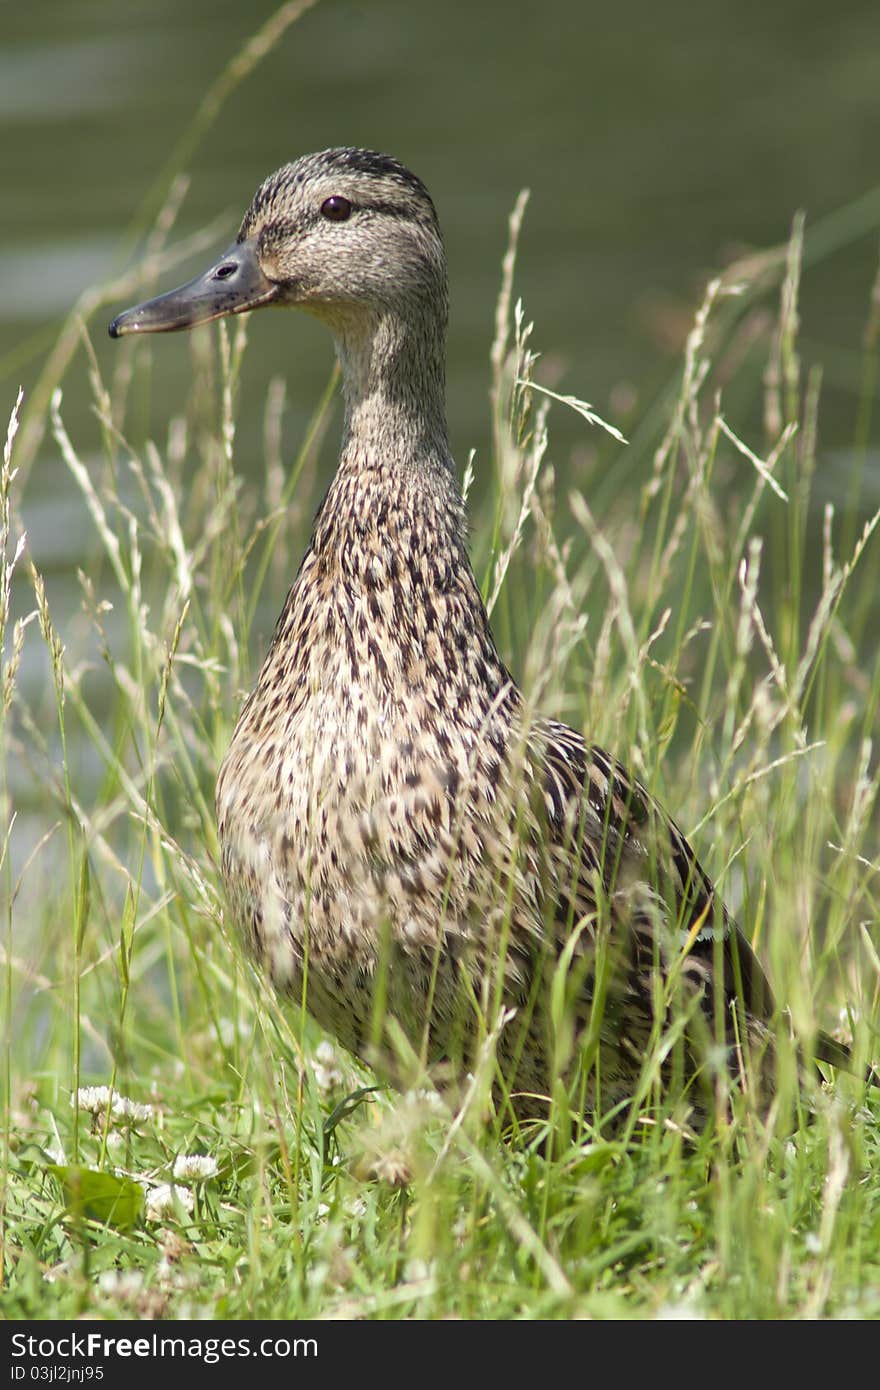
x=348 y=234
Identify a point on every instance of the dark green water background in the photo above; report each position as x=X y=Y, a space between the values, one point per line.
x=657 y=140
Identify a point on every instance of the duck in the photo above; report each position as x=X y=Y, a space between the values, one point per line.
x=407 y=851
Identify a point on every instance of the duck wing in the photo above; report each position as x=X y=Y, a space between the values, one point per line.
x=617 y=852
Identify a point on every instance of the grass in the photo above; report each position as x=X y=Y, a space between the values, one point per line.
x=684 y=602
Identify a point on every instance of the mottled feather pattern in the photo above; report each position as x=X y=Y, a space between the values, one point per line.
x=397 y=832
x=383 y=790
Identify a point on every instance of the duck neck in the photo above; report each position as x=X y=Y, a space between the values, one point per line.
x=387 y=587
x=393 y=369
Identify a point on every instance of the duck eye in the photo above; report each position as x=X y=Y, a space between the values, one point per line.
x=336 y=209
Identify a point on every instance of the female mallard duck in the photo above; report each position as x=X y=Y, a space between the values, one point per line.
x=401 y=846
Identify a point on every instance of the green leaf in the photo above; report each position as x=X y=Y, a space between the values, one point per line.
x=347 y=1106
x=83 y=900
x=100 y=1196
x=126 y=936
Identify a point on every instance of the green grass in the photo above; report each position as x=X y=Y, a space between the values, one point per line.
x=680 y=599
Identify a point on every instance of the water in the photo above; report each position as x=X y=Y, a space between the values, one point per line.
x=655 y=141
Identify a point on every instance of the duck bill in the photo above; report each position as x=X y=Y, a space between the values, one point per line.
x=233 y=285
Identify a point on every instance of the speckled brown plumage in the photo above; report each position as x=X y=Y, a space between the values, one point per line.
x=398 y=841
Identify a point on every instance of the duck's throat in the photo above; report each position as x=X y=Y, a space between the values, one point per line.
x=393 y=371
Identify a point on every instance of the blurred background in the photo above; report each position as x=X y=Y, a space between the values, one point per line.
x=658 y=142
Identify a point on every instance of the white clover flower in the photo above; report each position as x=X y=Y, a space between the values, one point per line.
x=328 y=1072
x=125 y=1109
x=392 y=1168
x=163 y=1200
x=124 y=1285
x=96 y=1100
x=194 y=1168
x=427 y=1097
x=93 y=1099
